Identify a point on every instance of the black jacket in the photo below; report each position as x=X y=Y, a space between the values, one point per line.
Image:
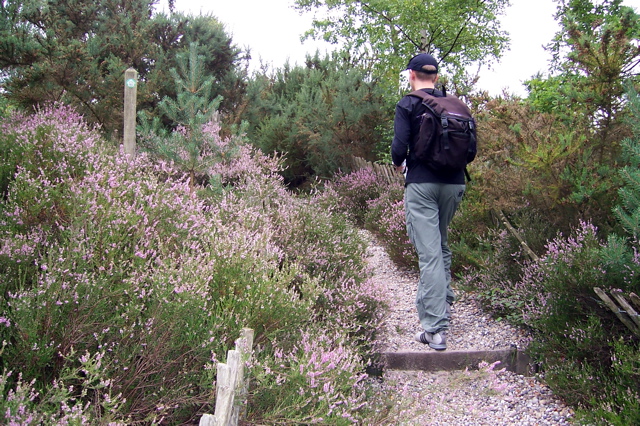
x=406 y=126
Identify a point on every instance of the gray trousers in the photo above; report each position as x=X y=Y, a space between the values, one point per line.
x=429 y=209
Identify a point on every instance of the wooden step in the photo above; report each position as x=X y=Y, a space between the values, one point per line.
x=431 y=360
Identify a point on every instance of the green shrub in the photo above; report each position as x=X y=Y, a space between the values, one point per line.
x=317 y=116
x=602 y=395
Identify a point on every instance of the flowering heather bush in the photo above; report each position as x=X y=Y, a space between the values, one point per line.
x=370 y=201
x=318 y=380
x=493 y=283
x=327 y=246
x=560 y=286
x=620 y=403
x=355 y=309
x=58 y=403
x=583 y=347
x=319 y=243
x=557 y=290
x=113 y=263
x=576 y=327
x=386 y=218
x=355 y=190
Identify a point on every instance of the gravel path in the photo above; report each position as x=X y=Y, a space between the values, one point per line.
x=488 y=395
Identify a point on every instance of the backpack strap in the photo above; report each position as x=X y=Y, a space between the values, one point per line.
x=424 y=95
x=427 y=100
x=472 y=126
x=445 y=131
x=438 y=114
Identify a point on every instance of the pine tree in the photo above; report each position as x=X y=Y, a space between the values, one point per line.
x=76 y=52
x=192 y=109
x=628 y=212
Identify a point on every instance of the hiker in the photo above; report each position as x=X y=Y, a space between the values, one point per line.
x=431 y=199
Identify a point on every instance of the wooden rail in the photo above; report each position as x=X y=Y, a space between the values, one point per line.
x=626 y=313
x=387 y=171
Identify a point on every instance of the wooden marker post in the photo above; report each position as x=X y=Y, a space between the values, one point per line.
x=130 y=94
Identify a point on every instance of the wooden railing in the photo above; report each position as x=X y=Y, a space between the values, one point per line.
x=627 y=312
x=387 y=171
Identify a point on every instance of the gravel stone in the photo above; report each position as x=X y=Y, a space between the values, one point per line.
x=488 y=395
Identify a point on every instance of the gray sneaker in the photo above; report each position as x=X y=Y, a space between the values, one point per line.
x=435 y=341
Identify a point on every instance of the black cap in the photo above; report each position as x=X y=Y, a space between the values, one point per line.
x=421 y=60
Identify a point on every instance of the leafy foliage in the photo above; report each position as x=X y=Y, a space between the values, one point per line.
x=583 y=347
x=577 y=339
x=384 y=34
x=553 y=167
x=596 y=51
x=561 y=146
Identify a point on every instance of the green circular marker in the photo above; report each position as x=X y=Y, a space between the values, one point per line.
x=131 y=83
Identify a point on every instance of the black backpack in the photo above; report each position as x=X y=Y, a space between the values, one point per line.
x=447 y=139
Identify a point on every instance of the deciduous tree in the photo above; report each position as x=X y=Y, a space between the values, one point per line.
x=385 y=33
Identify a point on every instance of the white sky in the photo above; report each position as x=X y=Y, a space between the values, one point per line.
x=272 y=29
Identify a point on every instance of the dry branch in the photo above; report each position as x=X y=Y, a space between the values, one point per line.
x=515 y=233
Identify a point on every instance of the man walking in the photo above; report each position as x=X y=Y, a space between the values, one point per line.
x=431 y=199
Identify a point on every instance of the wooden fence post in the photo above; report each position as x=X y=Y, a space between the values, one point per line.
x=226 y=388
x=231 y=388
x=130 y=99
x=243 y=346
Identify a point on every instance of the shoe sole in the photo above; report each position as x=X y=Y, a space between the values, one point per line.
x=438 y=347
